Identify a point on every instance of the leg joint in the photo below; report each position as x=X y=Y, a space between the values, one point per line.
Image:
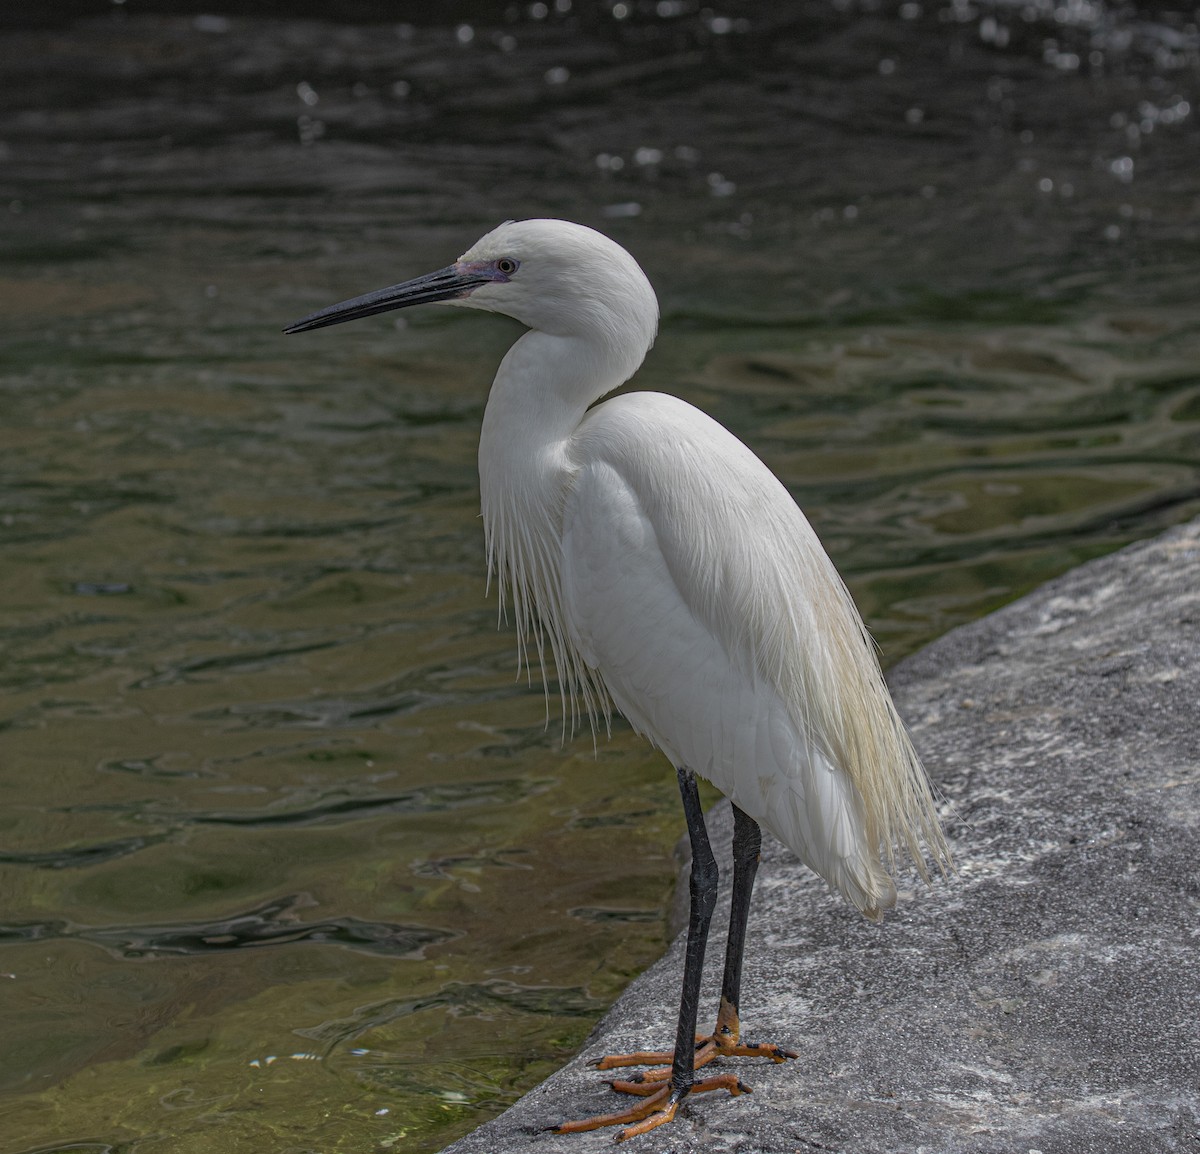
x=747 y=838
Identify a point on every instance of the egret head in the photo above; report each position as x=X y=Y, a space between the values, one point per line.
x=551 y=275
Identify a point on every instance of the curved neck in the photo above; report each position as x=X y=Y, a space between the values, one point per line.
x=538 y=399
x=545 y=384
x=541 y=392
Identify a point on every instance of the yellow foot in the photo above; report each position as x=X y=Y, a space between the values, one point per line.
x=659 y=1107
x=723 y=1042
x=708 y=1047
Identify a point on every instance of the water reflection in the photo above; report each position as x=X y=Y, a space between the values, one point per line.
x=259 y=729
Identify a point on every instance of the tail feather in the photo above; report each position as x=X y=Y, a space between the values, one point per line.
x=819 y=815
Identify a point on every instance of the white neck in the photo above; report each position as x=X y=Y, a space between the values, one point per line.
x=538 y=399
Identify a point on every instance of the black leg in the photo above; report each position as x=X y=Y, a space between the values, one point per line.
x=702 y=888
x=747 y=844
x=660 y=1097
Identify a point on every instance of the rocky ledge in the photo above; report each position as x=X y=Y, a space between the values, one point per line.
x=1045 y=999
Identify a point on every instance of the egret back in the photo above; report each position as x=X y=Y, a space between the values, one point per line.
x=736 y=647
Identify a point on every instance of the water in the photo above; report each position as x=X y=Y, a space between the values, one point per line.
x=288 y=860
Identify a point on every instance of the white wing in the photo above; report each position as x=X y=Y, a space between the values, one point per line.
x=696 y=588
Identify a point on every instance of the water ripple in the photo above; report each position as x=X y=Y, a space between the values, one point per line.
x=428 y=799
x=473 y=999
x=79 y=857
x=272 y=924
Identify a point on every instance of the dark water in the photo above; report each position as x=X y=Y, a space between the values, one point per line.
x=288 y=860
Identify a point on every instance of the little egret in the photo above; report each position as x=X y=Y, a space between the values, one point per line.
x=673 y=577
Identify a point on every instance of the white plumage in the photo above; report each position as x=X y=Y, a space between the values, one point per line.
x=667 y=572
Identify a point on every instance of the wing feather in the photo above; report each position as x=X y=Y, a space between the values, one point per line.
x=696 y=588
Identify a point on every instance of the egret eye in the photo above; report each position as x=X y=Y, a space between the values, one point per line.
x=506 y=265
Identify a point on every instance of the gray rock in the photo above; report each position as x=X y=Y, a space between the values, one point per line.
x=1045 y=998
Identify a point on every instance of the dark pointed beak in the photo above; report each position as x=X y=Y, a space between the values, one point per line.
x=446 y=284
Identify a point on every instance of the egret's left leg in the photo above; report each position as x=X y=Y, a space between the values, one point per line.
x=726 y=1035
x=725 y=1040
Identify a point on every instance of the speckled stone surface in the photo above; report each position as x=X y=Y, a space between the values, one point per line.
x=1047 y=998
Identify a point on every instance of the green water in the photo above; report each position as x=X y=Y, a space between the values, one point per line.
x=289 y=860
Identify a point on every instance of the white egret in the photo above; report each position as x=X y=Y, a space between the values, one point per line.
x=673 y=577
